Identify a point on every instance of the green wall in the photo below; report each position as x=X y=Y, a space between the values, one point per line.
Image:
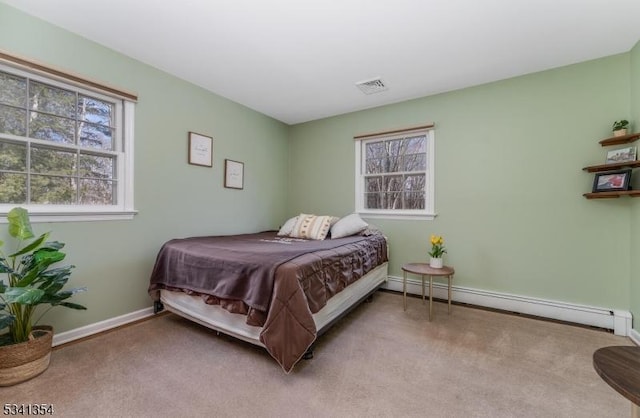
x=635 y=208
x=174 y=199
x=509 y=182
x=508 y=177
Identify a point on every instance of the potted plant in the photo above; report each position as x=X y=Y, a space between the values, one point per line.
x=620 y=127
x=437 y=251
x=32 y=281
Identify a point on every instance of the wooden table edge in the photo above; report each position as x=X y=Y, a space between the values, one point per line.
x=634 y=398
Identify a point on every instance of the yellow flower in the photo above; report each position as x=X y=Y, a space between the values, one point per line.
x=437 y=247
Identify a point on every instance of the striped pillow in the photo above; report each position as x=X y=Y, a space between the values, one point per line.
x=312 y=226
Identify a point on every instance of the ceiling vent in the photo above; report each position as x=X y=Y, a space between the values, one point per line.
x=371 y=86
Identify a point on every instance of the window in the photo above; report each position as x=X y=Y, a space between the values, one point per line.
x=394 y=174
x=66 y=152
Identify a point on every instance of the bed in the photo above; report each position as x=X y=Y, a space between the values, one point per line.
x=277 y=292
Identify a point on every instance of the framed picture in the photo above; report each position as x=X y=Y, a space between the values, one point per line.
x=233 y=174
x=622 y=155
x=200 y=150
x=612 y=180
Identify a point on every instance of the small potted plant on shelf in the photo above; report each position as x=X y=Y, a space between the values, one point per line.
x=25 y=349
x=620 y=127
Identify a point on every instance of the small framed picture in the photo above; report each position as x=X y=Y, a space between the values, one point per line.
x=612 y=180
x=233 y=174
x=200 y=150
x=622 y=155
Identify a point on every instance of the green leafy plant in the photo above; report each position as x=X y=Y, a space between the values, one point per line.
x=437 y=246
x=620 y=124
x=31 y=281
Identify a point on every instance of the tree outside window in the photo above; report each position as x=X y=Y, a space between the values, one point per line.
x=58 y=146
x=394 y=174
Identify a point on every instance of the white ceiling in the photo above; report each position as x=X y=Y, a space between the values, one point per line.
x=299 y=60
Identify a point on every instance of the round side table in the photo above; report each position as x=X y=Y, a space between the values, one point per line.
x=619 y=366
x=424 y=269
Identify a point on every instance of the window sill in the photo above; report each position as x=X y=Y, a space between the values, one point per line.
x=74 y=216
x=401 y=216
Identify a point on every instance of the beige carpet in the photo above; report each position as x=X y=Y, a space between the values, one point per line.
x=377 y=362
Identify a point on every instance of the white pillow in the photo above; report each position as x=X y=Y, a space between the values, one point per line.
x=349 y=225
x=288 y=227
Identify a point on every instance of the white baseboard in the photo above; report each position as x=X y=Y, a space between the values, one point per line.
x=616 y=320
x=107 y=324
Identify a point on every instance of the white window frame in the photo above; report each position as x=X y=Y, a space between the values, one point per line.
x=124 y=112
x=428 y=213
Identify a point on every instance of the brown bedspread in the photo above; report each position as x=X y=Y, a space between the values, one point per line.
x=295 y=278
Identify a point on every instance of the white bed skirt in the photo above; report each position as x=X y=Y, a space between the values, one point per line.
x=213 y=316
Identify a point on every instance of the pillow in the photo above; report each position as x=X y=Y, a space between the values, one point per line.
x=371 y=230
x=311 y=227
x=349 y=225
x=288 y=227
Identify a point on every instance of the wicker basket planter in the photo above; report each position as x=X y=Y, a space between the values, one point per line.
x=23 y=361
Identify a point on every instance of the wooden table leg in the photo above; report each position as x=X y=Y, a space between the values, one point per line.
x=635 y=411
x=422 y=276
x=404 y=289
x=430 y=296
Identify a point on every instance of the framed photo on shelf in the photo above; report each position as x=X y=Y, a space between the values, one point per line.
x=612 y=181
x=622 y=155
x=200 y=150
x=233 y=174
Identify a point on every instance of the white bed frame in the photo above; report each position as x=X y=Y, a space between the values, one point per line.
x=217 y=318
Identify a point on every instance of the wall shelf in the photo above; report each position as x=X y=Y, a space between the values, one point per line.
x=612 y=195
x=613 y=166
x=614 y=140
x=617 y=140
